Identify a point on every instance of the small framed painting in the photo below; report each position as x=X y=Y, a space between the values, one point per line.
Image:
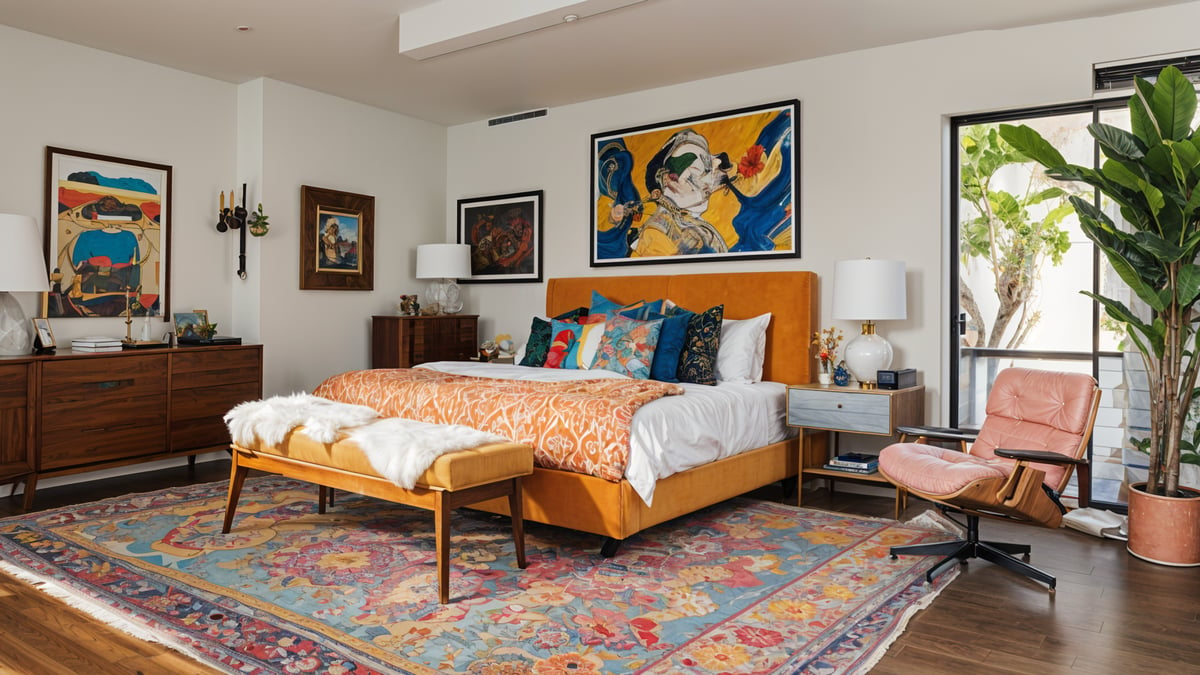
x=337 y=240
x=713 y=187
x=505 y=234
x=108 y=235
x=190 y=324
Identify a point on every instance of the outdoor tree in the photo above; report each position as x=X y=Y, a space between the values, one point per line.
x=1007 y=232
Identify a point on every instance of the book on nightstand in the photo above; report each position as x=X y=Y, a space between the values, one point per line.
x=856 y=460
x=849 y=469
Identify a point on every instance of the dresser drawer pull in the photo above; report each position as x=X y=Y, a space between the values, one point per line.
x=839 y=406
x=109 y=384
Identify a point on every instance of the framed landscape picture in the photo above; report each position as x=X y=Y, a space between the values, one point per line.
x=108 y=235
x=505 y=234
x=713 y=187
x=337 y=240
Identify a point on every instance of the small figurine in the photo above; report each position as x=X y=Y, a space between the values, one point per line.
x=408 y=305
x=841 y=376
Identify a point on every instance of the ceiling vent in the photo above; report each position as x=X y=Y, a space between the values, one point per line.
x=1117 y=76
x=517 y=117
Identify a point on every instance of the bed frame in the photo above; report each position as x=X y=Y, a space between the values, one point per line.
x=614 y=509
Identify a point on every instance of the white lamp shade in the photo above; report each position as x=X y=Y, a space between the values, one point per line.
x=22 y=265
x=443 y=261
x=869 y=290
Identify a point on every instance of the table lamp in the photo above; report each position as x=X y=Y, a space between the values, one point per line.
x=444 y=263
x=22 y=269
x=869 y=291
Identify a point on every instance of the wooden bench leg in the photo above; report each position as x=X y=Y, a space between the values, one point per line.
x=518 y=521
x=30 y=489
x=441 y=528
x=322 y=496
x=237 y=476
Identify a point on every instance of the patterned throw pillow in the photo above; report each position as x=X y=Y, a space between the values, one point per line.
x=538 y=344
x=698 y=361
x=583 y=350
x=563 y=337
x=602 y=305
x=628 y=346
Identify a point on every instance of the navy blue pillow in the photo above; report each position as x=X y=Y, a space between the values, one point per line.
x=671 y=338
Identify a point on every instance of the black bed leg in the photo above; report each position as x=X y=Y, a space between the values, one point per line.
x=610 y=546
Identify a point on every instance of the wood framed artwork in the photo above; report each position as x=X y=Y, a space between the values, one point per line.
x=107 y=235
x=505 y=234
x=722 y=186
x=337 y=240
x=190 y=324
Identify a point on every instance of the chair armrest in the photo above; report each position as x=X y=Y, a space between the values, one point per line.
x=1044 y=456
x=942 y=433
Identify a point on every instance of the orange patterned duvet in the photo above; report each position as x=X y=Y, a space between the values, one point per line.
x=577 y=425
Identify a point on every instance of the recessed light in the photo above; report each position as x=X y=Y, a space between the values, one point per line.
x=243 y=29
x=570 y=17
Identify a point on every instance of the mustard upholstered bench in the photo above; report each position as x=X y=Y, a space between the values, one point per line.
x=455 y=479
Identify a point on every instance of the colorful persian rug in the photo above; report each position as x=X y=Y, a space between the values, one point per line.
x=742 y=587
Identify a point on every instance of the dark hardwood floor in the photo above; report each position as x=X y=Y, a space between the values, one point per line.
x=1112 y=614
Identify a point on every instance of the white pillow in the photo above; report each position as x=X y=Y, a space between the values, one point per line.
x=742 y=349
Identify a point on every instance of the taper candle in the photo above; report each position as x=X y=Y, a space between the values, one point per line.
x=222 y=200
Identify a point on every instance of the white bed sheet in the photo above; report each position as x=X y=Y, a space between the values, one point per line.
x=673 y=433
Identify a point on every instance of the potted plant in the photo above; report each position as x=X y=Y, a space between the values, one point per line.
x=1153 y=175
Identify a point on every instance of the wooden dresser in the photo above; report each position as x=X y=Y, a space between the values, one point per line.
x=406 y=341
x=73 y=412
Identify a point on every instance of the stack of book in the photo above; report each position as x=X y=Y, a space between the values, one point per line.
x=95 y=344
x=854 y=462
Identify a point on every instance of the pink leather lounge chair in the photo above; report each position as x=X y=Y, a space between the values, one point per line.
x=1036 y=432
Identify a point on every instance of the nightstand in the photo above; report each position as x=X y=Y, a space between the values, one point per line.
x=875 y=412
x=406 y=341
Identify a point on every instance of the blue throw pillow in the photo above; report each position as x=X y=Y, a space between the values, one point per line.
x=671 y=338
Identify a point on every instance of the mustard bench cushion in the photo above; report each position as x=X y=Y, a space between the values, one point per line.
x=452 y=471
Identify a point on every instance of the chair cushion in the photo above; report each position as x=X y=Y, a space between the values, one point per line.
x=451 y=471
x=936 y=471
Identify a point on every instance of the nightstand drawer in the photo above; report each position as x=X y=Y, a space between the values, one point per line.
x=840 y=411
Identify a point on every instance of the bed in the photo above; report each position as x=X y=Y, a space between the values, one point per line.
x=614 y=509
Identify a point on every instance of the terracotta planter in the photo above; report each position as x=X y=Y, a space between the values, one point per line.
x=1164 y=530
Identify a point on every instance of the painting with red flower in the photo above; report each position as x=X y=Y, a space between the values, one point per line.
x=713 y=187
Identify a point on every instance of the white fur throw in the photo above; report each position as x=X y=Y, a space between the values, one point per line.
x=398 y=449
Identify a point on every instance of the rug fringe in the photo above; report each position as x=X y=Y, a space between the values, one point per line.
x=104 y=613
x=902 y=623
x=935 y=520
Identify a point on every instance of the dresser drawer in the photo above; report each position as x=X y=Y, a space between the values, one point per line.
x=83 y=382
x=855 y=412
x=101 y=429
x=197 y=415
x=205 y=367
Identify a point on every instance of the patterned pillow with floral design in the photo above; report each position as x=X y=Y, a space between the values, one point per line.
x=627 y=346
x=538 y=344
x=698 y=360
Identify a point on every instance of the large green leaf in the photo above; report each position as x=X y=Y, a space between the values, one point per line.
x=1188 y=285
x=1173 y=104
x=1116 y=143
x=1118 y=311
x=1031 y=144
x=1143 y=124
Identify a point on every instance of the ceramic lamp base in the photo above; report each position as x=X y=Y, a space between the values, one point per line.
x=16 y=331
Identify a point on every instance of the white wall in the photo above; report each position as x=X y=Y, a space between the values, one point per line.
x=321 y=141
x=872 y=143
x=55 y=93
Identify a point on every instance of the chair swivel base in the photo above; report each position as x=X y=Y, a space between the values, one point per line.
x=961 y=550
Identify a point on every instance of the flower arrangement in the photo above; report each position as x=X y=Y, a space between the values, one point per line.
x=827 y=341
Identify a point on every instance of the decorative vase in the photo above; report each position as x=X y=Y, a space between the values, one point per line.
x=841 y=375
x=825 y=372
x=1164 y=530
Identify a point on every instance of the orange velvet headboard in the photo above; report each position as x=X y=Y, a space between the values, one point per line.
x=790 y=297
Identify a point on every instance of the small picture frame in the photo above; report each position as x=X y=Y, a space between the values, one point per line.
x=41 y=330
x=190 y=324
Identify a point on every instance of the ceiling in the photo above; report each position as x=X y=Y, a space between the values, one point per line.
x=349 y=48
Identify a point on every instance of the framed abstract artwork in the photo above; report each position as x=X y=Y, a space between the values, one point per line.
x=337 y=240
x=722 y=186
x=505 y=234
x=107 y=236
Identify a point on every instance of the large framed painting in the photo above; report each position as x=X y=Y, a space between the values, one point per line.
x=713 y=187
x=107 y=235
x=505 y=234
x=337 y=240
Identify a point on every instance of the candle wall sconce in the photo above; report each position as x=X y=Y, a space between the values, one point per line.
x=234 y=218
